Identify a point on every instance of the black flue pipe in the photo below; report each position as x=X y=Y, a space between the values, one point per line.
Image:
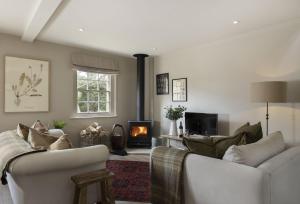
x=140 y=86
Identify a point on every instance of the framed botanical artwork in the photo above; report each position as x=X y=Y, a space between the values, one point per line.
x=26 y=85
x=179 y=90
x=162 y=84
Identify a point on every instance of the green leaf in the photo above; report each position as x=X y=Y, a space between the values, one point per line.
x=21 y=79
x=38 y=82
x=28 y=80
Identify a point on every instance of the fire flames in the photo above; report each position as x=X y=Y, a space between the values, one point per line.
x=139 y=131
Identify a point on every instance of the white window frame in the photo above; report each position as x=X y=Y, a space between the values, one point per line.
x=113 y=105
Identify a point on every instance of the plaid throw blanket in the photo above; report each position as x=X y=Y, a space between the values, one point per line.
x=11 y=146
x=166 y=175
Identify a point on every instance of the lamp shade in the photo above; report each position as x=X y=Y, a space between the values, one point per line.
x=269 y=91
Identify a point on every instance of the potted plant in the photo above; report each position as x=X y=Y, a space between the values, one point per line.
x=174 y=114
x=59 y=124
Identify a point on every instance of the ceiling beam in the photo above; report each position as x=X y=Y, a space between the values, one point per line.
x=39 y=18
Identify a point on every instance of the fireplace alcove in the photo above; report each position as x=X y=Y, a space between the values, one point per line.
x=140 y=130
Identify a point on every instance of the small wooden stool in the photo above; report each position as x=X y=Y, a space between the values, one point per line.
x=83 y=180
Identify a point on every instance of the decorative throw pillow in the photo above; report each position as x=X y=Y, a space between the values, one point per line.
x=23 y=131
x=39 y=126
x=202 y=145
x=253 y=132
x=62 y=143
x=214 y=146
x=241 y=129
x=223 y=143
x=256 y=153
x=39 y=140
x=55 y=132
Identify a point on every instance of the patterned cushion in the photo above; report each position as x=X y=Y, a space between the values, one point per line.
x=62 y=143
x=39 y=140
x=22 y=131
x=39 y=126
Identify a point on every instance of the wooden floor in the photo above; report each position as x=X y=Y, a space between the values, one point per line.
x=131 y=157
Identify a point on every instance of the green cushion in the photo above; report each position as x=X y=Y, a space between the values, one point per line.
x=241 y=129
x=203 y=145
x=223 y=143
x=214 y=146
x=253 y=132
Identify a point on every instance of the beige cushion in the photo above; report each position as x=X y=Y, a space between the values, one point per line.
x=62 y=143
x=39 y=140
x=256 y=153
x=39 y=126
x=23 y=131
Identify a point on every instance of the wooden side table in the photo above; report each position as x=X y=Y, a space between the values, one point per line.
x=174 y=141
x=82 y=181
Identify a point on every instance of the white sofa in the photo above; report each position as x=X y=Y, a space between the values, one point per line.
x=45 y=177
x=213 y=181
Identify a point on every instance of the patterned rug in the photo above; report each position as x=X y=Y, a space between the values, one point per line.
x=131 y=181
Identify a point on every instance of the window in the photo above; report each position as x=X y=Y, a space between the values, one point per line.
x=95 y=93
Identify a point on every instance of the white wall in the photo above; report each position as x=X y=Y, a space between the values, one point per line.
x=219 y=76
x=61 y=90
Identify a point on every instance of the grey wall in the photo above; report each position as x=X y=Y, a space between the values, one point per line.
x=61 y=91
x=220 y=73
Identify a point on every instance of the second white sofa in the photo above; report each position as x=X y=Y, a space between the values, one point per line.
x=214 y=181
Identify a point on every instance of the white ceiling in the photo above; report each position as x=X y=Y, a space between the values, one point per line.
x=131 y=26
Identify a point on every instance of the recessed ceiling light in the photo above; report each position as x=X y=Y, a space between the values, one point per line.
x=236 y=22
x=81 y=29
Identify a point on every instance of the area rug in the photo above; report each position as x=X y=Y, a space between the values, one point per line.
x=131 y=181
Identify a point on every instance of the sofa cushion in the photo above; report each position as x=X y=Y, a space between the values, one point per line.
x=63 y=142
x=39 y=126
x=241 y=129
x=256 y=153
x=23 y=131
x=55 y=132
x=224 y=142
x=214 y=146
x=253 y=132
x=202 y=145
x=39 y=140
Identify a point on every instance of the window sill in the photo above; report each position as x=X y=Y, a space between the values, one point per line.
x=92 y=115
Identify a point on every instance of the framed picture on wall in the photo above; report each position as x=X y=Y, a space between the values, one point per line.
x=26 y=85
x=162 y=84
x=179 y=90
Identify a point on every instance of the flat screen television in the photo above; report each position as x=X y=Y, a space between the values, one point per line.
x=201 y=123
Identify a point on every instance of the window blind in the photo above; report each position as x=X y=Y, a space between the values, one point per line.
x=95 y=64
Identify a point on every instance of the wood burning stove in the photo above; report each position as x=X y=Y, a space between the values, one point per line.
x=140 y=134
x=140 y=131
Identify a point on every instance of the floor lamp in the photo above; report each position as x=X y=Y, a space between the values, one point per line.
x=269 y=92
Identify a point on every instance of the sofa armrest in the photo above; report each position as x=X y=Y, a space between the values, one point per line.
x=284 y=171
x=213 y=181
x=59 y=160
